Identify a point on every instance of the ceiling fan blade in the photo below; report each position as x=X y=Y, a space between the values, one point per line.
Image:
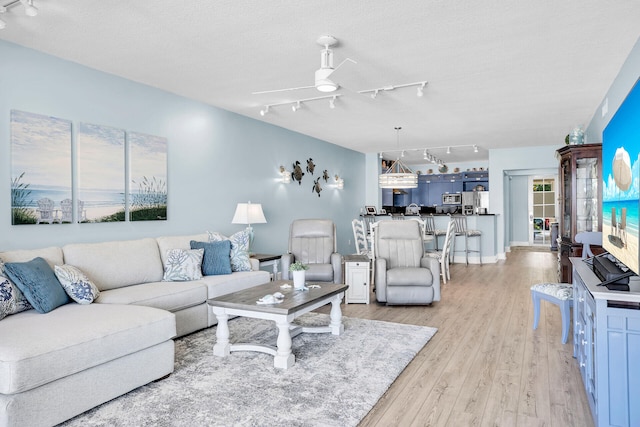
x=342 y=63
x=282 y=90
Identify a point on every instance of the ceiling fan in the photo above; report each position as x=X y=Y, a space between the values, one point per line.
x=322 y=81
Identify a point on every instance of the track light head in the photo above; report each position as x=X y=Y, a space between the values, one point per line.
x=29 y=8
x=374 y=94
x=448 y=150
x=424 y=154
x=264 y=111
x=295 y=107
x=332 y=103
x=380 y=154
x=421 y=90
x=475 y=148
x=2 y=24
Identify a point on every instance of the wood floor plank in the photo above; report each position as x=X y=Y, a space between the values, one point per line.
x=486 y=365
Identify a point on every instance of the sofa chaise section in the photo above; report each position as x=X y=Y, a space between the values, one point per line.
x=73 y=345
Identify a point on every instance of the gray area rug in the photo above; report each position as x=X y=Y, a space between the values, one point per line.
x=335 y=381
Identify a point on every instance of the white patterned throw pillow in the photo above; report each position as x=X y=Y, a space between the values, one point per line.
x=12 y=301
x=183 y=264
x=76 y=284
x=239 y=249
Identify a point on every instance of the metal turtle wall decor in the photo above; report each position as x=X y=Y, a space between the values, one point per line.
x=310 y=166
x=316 y=186
x=325 y=175
x=297 y=173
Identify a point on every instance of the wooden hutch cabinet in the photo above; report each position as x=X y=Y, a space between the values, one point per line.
x=580 y=175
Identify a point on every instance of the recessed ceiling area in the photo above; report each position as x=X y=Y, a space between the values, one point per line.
x=500 y=74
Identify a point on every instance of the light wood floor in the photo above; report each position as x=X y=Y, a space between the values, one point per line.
x=485 y=366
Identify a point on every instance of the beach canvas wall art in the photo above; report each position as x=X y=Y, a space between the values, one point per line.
x=101 y=173
x=40 y=167
x=148 y=177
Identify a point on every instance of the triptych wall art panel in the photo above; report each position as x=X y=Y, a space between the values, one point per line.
x=40 y=167
x=148 y=186
x=109 y=185
x=101 y=173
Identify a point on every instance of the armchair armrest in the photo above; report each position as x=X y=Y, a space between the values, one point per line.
x=285 y=261
x=381 y=279
x=336 y=263
x=434 y=265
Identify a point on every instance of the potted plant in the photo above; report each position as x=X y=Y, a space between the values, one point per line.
x=297 y=270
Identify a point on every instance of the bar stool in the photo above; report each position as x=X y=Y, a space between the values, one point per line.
x=460 y=223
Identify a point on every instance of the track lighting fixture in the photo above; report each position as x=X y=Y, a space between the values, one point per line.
x=412 y=155
x=29 y=9
x=296 y=105
x=374 y=92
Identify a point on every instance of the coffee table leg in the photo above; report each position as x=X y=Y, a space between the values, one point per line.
x=222 y=347
x=336 y=316
x=284 y=359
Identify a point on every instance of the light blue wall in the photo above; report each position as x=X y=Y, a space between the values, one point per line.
x=519 y=209
x=502 y=163
x=627 y=77
x=215 y=158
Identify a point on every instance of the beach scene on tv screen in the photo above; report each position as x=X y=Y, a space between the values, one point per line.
x=620 y=164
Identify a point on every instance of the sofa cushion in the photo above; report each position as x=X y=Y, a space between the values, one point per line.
x=183 y=265
x=115 y=264
x=76 y=284
x=12 y=301
x=237 y=281
x=239 y=249
x=76 y=337
x=37 y=281
x=53 y=255
x=171 y=296
x=216 y=258
x=178 y=242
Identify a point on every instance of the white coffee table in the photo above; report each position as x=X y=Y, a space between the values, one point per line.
x=294 y=304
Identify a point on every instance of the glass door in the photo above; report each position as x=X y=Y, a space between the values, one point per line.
x=542 y=209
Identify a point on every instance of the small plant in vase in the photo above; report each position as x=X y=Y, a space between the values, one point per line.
x=297 y=270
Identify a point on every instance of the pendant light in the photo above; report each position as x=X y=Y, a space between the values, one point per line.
x=398 y=175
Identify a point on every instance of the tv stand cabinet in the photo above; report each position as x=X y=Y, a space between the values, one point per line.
x=606 y=344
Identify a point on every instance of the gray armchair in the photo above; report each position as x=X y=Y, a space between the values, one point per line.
x=403 y=273
x=313 y=242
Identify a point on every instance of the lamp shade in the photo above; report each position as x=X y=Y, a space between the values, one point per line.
x=249 y=213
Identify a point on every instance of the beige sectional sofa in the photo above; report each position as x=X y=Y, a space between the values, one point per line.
x=57 y=365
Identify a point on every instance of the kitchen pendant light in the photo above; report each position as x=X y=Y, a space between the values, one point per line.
x=398 y=175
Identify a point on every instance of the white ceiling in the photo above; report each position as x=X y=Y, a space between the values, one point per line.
x=501 y=73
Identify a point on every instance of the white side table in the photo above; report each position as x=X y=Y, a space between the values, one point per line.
x=266 y=260
x=356 y=274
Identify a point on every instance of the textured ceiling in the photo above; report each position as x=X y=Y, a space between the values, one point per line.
x=501 y=73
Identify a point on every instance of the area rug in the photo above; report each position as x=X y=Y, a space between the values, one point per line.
x=335 y=381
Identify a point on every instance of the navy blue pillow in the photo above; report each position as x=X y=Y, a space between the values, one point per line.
x=216 y=259
x=38 y=283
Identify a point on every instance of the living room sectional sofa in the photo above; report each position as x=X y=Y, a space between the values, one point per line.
x=57 y=365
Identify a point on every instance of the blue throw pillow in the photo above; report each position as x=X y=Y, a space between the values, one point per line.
x=39 y=284
x=216 y=257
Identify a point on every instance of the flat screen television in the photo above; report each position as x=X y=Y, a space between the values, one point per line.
x=620 y=190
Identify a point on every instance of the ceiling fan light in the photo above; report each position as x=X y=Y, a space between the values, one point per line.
x=326 y=85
